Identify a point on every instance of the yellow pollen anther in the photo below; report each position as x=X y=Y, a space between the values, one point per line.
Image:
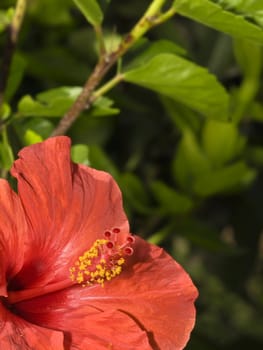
x=102 y=262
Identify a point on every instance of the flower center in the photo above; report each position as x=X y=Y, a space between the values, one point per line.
x=104 y=260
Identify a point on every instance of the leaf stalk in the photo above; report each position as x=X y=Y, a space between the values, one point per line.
x=151 y=17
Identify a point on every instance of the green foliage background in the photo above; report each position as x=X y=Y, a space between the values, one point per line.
x=181 y=133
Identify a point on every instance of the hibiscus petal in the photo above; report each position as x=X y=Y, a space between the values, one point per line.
x=85 y=327
x=16 y=334
x=154 y=291
x=68 y=207
x=12 y=232
x=111 y=329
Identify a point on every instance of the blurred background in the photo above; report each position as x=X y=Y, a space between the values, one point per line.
x=190 y=184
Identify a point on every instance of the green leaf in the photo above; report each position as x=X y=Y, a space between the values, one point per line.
x=17 y=70
x=28 y=107
x=80 y=154
x=250 y=57
x=51 y=103
x=56 y=102
x=33 y=130
x=91 y=10
x=170 y=201
x=154 y=49
x=50 y=12
x=178 y=78
x=254 y=154
x=190 y=161
x=31 y=137
x=103 y=107
x=40 y=126
x=229 y=178
x=183 y=117
x=221 y=142
x=71 y=92
x=224 y=20
x=5 y=111
x=6 y=156
x=100 y=160
x=6 y=18
x=252 y=9
x=256 y=111
x=135 y=193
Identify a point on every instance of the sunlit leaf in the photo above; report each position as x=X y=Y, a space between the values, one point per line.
x=31 y=137
x=214 y=15
x=175 y=77
x=251 y=9
x=154 y=49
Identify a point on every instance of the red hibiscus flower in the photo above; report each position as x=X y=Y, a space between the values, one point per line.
x=72 y=276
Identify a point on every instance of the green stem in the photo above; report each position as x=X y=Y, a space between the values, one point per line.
x=99 y=35
x=107 y=87
x=166 y=15
x=18 y=18
x=154 y=8
x=6 y=154
x=148 y=19
x=13 y=31
x=86 y=97
x=246 y=94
